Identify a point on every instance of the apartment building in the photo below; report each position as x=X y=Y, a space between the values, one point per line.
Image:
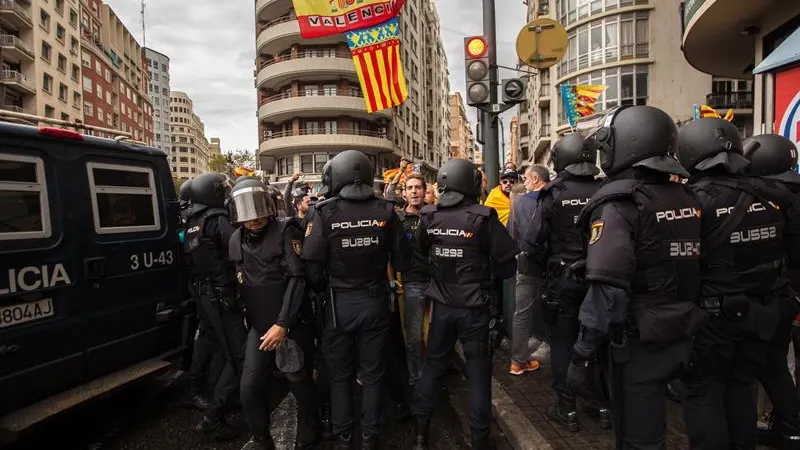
x=310 y=104
x=214 y=147
x=190 y=147
x=462 y=138
x=115 y=82
x=158 y=90
x=629 y=46
x=511 y=152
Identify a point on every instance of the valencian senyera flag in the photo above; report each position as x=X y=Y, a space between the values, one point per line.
x=376 y=55
x=319 y=18
x=579 y=100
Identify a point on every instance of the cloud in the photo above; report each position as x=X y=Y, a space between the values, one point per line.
x=211 y=45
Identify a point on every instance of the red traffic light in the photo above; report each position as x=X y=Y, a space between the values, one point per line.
x=476 y=47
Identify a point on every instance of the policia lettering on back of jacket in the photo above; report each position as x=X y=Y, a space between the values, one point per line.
x=349 y=242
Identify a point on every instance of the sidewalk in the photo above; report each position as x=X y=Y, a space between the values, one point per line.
x=532 y=394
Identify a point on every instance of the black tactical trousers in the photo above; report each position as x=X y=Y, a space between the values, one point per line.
x=471 y=327
x=396 y=365
x=360 y=334
x=261 y=391
x=775 y=377
x=230 y=333
x=719 y=406
x=644 y=388
x=562 y=336
x=208 y=359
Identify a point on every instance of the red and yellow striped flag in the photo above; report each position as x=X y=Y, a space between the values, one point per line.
x=587 y=96
x=376 y=55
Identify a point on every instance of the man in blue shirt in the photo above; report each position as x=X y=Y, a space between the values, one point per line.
x=529 y=275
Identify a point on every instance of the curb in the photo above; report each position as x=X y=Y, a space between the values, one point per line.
x=521 y=433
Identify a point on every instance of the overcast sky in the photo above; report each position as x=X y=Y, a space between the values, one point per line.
x=211 y=45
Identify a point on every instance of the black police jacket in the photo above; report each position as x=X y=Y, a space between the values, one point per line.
x=206 y=247
x=467 y=247
x=752 y=260
x=643 y=243
x=352 y=242
x=270 y=274
x=554 y=234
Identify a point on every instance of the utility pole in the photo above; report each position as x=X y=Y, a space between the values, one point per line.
x=490 y=132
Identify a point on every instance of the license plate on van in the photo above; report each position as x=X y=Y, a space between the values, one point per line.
x=25 y=312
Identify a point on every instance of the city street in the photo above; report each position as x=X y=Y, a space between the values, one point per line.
x=149 y=415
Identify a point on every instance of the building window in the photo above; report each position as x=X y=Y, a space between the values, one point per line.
x=88 y=109
x=87 y=59
x=60 y=32
x=329 y=89
x=44 y=20
x=100 y=115
x=307 y=163
x=99 y=91
x=49 y=111
x=164 y=67
x=47 y=82
x=62 y=63
x=24 y=208
x=98 y=67
x=285 y=166
x=63 y=92
x=65 y=117
x=329 y=126
x=73 y=18
x=46 y=50
x=73 y=46
x=87 y=84
x=60 y=7
x=76 y=99
x=123 y=198
x=319 y=162
x=627 y=85
x=108 y=76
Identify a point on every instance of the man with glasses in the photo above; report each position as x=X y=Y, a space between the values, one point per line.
x=499 y=198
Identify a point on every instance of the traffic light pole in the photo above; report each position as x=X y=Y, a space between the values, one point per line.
x=491 y=158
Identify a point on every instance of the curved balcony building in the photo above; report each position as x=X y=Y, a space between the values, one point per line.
x=627 y=45
x=310 y=104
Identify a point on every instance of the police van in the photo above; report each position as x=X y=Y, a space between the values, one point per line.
x=89 y=269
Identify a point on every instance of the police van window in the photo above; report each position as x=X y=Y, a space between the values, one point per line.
x=123 y=198
x=24 y=211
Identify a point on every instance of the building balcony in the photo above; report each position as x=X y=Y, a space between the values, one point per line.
x=279 y=71
x=544 y=131
x=15 y=49
x=738 y=101
x=15 y=15
x=279 y=35
x=544 y=94
x=267 y=10
x=317 y=139
x=17 y=80
x=345 y=102
x=12 y=108
x=626 y=53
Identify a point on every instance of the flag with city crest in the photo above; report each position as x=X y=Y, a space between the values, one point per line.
x=376 y=55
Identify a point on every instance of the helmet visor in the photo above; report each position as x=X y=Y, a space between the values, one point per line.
x=251 y=203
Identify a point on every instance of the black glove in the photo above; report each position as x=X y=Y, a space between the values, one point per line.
x=578 y=373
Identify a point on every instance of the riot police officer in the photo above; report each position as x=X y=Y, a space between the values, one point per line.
x=271 y=280
x=741 y=271
x=642 y=268
x=554 y=242
x=774 y=158
x=352 y=238
x=467 y=247
x=213 y=287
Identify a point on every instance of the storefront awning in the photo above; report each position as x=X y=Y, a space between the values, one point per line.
x=786 y=53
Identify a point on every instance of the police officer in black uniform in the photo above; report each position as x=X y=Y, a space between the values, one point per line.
x=212 y=281
x=642 y=267
x=468 y=249
x=554 y=242
x=272 y=284
x=348 y=245
x=774 y=158
x=741 y=273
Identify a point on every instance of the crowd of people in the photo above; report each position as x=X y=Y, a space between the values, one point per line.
x=676 y=263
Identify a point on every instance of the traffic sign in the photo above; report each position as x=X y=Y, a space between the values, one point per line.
x=542 y=43
x=513 y=91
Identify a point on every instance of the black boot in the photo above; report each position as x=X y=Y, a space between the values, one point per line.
x=481 y=439
x=782 y=434
x=369 y=441
x=564 y=413
x=259 y=442
x=220 y=429
x=599 y=413
x=308 y=434
x=421 y=426
x=327 y=426
x=344 y=441
x=195 y=401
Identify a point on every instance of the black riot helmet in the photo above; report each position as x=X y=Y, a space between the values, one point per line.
x=185 y=194
x=772 y=156
x=457 y=179
x=251 y=200
x=572 y=154
x=210 y=189
x=711 y=142
x=637 y=136
x=349 y=176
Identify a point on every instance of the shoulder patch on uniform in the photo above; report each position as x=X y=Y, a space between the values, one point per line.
x=597 y=231
x=297 y=245
x=309 y=228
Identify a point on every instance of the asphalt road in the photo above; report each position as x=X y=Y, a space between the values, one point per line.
x=149 y=415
